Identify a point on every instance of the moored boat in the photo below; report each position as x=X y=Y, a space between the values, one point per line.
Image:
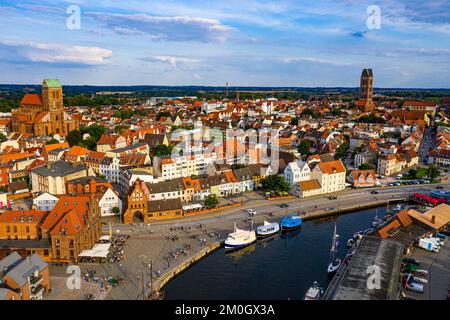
x=334 y=262
x=240 y=238
x=315 y=292
x=267 y=229
x=291 y=222
x=350 y=243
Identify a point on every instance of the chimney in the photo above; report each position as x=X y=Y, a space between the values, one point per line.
x=49 y=165
x=433 y=219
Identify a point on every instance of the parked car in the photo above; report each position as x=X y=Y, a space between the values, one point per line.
x=332 y=197
x=374 y=192
x=414 y=286
x=251 y=212
x=439 y=187
x=284 y=205
x=411 y=261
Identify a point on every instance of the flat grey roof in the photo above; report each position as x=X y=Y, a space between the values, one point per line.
x=352 y=284
x=58 y=168
x=24 y=244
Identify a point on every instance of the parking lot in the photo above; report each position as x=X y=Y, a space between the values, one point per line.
x=438 y=267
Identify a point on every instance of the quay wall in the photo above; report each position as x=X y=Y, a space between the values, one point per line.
x=161 y=282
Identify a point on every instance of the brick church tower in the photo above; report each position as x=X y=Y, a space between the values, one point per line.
x=52 y=99
x=366 y=91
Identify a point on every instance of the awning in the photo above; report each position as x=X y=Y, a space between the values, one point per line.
x=105 y=238
x=192 y=206
x=98 y=251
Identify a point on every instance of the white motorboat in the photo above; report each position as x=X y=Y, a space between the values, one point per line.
x=315 y=292
x=240 y=238
x=267 y=229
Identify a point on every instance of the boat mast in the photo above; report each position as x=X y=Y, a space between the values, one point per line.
x=333 y=244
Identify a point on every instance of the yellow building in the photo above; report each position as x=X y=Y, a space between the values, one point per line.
x=43 y=114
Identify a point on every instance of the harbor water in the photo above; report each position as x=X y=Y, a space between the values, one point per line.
x=281 y=267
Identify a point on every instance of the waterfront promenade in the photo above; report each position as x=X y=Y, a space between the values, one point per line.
x=167 y=247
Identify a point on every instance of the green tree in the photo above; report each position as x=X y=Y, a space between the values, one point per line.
x=163 y=114
x=304 y=147
x=162 y=150
x=365 y=166
x=95 y=131
x=433 y=172
x=275 y=183
x=52 y=141
x=2 y=137
x=120 y=128
x=341 y=150
x=74 y=138
x=211 y=201
x=115 y=210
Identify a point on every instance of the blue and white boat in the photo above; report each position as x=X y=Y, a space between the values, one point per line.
x=240 y=238
x=267 y=229
x=291 y=222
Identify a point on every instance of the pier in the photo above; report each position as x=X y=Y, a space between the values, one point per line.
x=374 y=257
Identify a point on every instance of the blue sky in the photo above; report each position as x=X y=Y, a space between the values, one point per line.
x=247 y=43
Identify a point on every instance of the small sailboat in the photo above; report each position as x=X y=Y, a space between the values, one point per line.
x=315 y=292
x=267 y=229
x=334 y=262
x=291 y=222
x=377 y=221
x=240 y=238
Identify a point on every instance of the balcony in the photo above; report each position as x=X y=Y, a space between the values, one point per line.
x=37 y=290
x=34 y=280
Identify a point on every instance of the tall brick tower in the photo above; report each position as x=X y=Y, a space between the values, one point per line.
x=52 y=99
x=366 y=91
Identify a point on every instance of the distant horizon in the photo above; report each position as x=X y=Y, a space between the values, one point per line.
x=230 y=88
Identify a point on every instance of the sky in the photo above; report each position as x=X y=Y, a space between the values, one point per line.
x=295 y=43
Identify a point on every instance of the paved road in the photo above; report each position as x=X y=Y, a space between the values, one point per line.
x=264 y=207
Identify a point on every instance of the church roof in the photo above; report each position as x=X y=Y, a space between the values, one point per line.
x=31 y=99
x=367 y=73
x=52 y=83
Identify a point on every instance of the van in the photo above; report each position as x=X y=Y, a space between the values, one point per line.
x=414 y=286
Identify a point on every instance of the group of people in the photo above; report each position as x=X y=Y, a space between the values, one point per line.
x=184 y=250
x=117 y=246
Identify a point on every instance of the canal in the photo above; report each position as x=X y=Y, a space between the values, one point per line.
x=282 y=267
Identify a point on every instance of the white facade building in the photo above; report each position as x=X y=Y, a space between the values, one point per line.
x=108 y=202
x=297 y=171
x=45 y=202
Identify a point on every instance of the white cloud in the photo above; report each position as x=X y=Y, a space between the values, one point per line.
x=165 y=28
x=312 y=60
x=172 y=60
x=29 y=51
